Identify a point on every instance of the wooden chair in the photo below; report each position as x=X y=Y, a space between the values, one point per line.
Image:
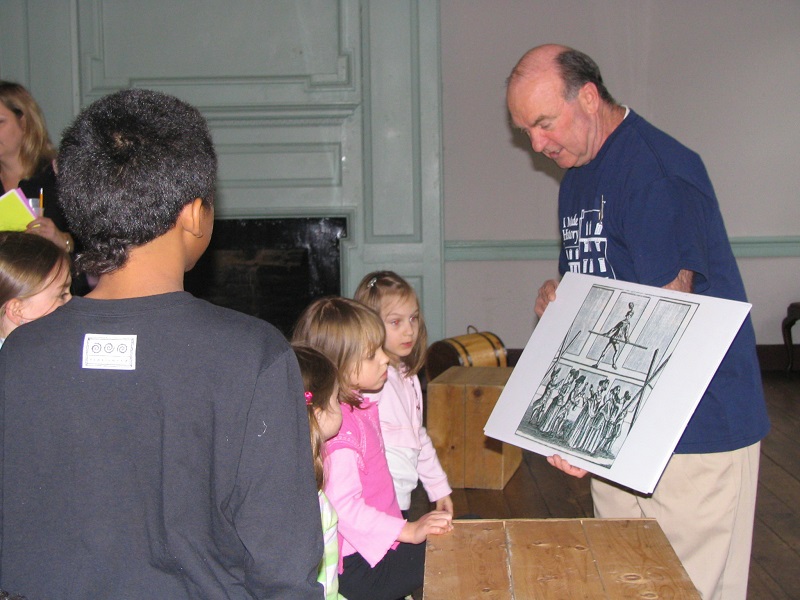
x=792 y=316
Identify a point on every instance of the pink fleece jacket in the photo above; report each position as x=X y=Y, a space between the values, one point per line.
x=359 y=486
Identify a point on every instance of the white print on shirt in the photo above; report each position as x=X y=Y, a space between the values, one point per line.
x=585 y=245
x=104 y=351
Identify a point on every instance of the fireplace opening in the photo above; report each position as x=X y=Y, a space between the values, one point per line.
x=270 y=268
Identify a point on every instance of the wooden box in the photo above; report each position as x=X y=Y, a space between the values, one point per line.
x=554 y=558
x=460 y=401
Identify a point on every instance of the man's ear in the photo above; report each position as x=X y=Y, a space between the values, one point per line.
x=190 y=216
x=589 y=98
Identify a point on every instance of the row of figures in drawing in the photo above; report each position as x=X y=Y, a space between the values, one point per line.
x=574 y=413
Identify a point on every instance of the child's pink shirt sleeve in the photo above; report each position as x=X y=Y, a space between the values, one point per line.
x=364 y=529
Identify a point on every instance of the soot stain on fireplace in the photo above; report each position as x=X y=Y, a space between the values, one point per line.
x=270 y=268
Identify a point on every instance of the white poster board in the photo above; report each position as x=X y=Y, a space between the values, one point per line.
x=612 y=374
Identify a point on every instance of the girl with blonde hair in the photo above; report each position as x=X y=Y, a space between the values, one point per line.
x=409 y=449
x=382 y=554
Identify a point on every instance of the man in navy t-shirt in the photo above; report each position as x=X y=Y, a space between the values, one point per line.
x=636 y=205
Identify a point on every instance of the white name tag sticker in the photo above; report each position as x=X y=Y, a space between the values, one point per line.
x=103 y=351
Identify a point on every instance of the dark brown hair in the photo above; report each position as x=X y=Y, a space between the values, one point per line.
x=320 y=378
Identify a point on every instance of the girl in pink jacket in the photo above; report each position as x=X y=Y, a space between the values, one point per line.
x=382 y=554
x=409 y=450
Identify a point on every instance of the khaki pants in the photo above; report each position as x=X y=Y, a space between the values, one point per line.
x=705 y=503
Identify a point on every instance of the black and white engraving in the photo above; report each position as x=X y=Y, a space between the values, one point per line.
x=603 y=374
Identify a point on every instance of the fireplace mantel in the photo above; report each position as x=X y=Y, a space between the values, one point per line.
x=271 y=268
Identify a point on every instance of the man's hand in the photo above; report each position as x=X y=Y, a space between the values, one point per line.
x=547 y=293
x=562 y=465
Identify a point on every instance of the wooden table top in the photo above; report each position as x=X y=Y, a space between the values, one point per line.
x=519 y=559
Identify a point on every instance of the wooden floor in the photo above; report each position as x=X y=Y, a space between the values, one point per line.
x=539 y=491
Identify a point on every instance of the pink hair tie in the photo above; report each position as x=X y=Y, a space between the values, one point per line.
x=309 y=396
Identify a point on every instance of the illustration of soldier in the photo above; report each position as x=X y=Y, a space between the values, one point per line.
x=599 y=422
x=575 y=403
x=547 y=421
x=613 y=409
x=580 y=427
x=614 y=426
x=540 y=406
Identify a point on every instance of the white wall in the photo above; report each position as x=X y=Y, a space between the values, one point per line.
x=720 y=75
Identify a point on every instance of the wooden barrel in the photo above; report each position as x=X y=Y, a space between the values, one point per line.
x=475 y=349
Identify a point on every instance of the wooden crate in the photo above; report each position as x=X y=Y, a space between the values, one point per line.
x=460 y=401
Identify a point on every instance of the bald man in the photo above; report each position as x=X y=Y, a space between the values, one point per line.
x=647 y=206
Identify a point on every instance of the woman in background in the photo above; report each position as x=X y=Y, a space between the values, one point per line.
x=26 y=161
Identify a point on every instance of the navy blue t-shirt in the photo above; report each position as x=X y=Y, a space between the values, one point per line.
x=642 y=210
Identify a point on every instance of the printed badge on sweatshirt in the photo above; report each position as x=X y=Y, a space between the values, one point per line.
x=106 y=351
x=585 y=243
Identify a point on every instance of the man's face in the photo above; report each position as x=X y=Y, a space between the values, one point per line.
x=557 y=128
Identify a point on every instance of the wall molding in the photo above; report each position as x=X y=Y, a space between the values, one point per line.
x=313 y=164
x=766 y=247
x=293 y=89
x=502 y=250
x=393 y=190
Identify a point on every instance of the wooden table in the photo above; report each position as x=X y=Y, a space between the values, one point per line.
x=520 y=559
